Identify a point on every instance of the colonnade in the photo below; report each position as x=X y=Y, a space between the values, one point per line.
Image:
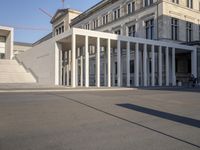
x=162 y=56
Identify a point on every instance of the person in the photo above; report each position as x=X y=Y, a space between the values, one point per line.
x=193 y=80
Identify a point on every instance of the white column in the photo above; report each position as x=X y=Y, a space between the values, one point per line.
x=109 y=64
x=160 y=66
x=60 y=66
x=105 y=66
x=67 y=69
x=145 y=64
x=73 y=67
x=67 y=74
x=64 y=75
x=98 y=63
x=119 y=63
x=173 y=67
x=167 y=65
x=128 y=64
x=194 y=62
x=113 y=67
x=86 y=63
x=153 y=65
x=136 y=65
x=81 y=74
x=77 y=72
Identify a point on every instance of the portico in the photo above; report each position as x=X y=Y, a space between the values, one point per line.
x=90 y=58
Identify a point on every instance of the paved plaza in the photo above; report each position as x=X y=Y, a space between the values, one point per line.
x=143 y=119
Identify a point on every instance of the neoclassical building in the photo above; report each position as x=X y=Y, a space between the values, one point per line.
x=120 y=43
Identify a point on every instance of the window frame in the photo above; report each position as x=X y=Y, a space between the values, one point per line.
x=189 y=31
x=149 y=28
x=132 y=30
x=174 y=29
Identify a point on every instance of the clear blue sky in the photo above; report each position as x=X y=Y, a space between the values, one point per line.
x=26 y=13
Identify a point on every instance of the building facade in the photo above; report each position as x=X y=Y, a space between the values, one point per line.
x=175 y=21
x=6 y=42
x=120 y=43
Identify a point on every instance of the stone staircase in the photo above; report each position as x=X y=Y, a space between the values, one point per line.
x=12 y=72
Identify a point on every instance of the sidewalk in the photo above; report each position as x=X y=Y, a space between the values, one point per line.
x=24 y=87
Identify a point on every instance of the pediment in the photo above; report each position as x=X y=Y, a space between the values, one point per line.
x=59 y=14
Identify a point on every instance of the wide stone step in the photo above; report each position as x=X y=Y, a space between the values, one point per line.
x=12 y=72
x=12 y=69
x=8 y=62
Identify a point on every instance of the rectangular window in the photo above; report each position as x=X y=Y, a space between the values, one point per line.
x=118 y=32
x=87 y=26
x=149 y=29
x=174 y=29
x=148 y=2
x=175 y=1
x=59 y=29
x=131 y=7
x=2 y=39
x=105 y=19
x=188 y=32
x=95 y=23
x=190 y=3
x=132 y=66
x=116 y=14
x=131 y=31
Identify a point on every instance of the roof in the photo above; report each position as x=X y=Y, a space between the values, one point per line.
x=45 y=38
x=61 y=12
x=23 y=44
x=91 y=10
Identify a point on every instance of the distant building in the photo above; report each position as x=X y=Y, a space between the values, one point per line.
x=20 y=47
x=6 y=42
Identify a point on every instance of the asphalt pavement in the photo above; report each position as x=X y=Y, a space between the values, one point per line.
x=144 y=119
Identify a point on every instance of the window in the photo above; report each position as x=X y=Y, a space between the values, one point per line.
x=148 y=2
x=188 y=31
x=87 y=26
x=59 y=29
x=105 y=19
x=131 y=66
x=190 y=3
x=116 y=14
x=131 y=7
x=95 y=23
x=2 y=39
x=131 y=31
x=149 y=29
x=118 y=32
x=174 y=29
x=175 y=1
